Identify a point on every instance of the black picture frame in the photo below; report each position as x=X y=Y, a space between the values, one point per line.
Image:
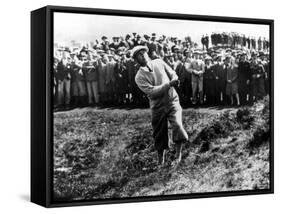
x=41 y=103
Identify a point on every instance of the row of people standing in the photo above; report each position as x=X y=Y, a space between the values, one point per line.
x=235 y=40
x=98 y=77
x=218 y=81
x=89 y=79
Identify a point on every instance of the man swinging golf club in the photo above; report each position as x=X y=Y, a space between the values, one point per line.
x=157 y=80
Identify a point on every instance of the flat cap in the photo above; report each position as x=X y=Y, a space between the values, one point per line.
x=138 y=48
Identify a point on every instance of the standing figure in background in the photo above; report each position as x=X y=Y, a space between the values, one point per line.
x=265 y=63
x=259 y=44
x=197 y=68
x=110 y=80
x=209 y=82
x=257 y=81
x=102 y=63
x=207 y=41
x=244 y=76
x=231 y=69
x=63 y=77
x=90 y=68
x=218 y=68
x=121 y=78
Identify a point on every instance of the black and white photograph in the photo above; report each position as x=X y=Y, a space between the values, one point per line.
x=149 y=107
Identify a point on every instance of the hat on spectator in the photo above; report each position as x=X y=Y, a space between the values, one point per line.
x=146 y=36
x=161 y=38
x=85 y=50
x=138 y=48
x=103 y=37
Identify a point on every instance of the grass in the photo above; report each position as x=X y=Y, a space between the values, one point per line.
x=109 y=153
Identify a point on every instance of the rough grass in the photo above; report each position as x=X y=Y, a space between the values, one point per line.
x=109 y=153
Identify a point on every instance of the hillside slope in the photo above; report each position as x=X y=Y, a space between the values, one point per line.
x=108 y=153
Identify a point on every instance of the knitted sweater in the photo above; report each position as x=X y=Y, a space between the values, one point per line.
x=155 y=84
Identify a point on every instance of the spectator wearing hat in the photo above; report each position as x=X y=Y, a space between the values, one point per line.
x=263 y=44
x=248 y=41
x=121 y=79
x=197 y=68
x=265 y=63
x=203 y=42
x=79 y=91
x=76 y=66
x=186 y=82
x=253 y=42
x=104 y=44
x=231 y=70
x=244 y=76
x=259 y=44
x=153 y=46
x=63 y=77
x=209 y=82
x=102 y=66
x=137 y=40
x=110 y=79
x=213 y=40
x=136 y=95
x=161 y=47
x=115 y=44
x=90 y=69
x=122 y=43
x=170 y=60
x=179 y=68
x=129 y=43
x=224 y=38
x=55 y=81
x=258 y=76
x=157 y=80
x=218 y=68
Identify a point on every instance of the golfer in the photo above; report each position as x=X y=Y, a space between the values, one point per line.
x=157 y=80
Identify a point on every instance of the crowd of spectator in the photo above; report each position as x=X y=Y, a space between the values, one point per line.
x=232 y=70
